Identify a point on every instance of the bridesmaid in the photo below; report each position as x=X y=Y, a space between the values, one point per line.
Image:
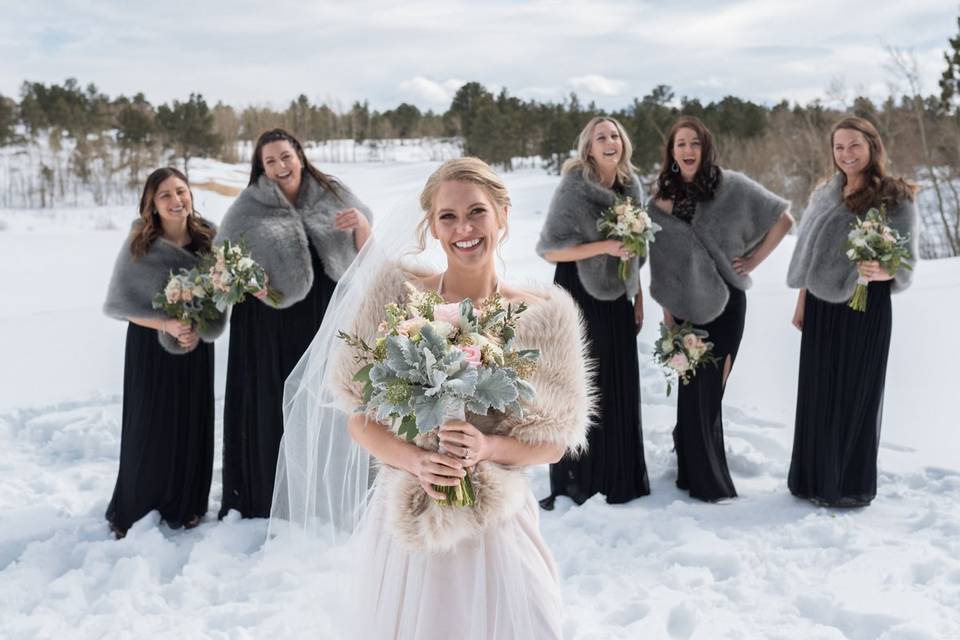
x=587 y=267
x=305 y=228
x=843 y=353
x=718 y=226
x=166 y=437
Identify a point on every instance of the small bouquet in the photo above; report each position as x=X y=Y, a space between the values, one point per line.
x=233 y=274
x=433 y=362
x=872 y=239
x=186 y=297
x=630 y=224
x=682 y=350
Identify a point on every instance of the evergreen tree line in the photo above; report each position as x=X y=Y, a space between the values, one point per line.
x=784 y=146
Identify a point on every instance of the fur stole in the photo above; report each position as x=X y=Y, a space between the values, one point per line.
x=820 y=262
x=278 y=234
x=559 y=414
x=575 y=208
x=135 y=283
x=690 y=264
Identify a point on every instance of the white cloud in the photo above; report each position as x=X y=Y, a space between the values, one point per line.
x=427 y=90
x=598 y=85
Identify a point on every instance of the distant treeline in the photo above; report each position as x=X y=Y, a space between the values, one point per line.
x=784 y=146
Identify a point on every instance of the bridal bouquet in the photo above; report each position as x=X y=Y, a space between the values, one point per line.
x=682 y=350
x=186 y=297
x=872 y=239
x=232 y=274
x=630 y=224
x=433 y=362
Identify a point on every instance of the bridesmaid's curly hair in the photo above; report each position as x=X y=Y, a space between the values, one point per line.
x=879 y=188
x=149 y=229
x=670 y=183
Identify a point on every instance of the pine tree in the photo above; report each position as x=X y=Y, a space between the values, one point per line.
x=187 y=128
x=950 y=80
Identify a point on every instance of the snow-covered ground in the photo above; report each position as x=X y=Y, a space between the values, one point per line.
x=764 y=566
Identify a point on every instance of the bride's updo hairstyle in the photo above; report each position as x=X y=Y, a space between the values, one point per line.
x=473 y=170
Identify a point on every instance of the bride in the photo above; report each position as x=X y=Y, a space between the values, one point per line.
x=425 y=570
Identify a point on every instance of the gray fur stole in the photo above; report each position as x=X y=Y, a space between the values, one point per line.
x=690 y=264
x=135 y=283
x=276 y=233
x=560 y=414
x=820 y=262
x=575 y=208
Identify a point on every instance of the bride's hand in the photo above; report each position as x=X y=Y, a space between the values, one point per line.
x=433 y=468
x=463 y=440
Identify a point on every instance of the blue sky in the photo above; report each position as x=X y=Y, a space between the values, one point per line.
x=245 y=52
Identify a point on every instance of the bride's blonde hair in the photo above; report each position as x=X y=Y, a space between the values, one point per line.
x=474 y=171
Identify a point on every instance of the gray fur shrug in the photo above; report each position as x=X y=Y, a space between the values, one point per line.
x=559 y=414
x=575 y=208
x=135 y=283
x=690 y=264
x=276 y=233
x=820 y=262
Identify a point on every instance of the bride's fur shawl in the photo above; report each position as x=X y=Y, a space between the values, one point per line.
x=820 y=262
x=690 y=263
x=559 y=414
x=135 y=283
x=277 y=233
x=575 y=209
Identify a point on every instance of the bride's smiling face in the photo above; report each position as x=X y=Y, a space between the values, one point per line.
x=466 y=223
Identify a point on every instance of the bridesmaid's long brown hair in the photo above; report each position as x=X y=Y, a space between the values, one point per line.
x=329 y=183
x=879 y=188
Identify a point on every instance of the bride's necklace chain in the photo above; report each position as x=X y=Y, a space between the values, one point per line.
x=496 y=288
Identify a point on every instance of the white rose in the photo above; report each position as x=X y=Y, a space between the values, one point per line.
x=442 y=329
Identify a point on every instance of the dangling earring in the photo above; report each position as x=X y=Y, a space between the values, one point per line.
x=675 y=167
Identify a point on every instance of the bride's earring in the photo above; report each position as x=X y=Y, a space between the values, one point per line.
x=675 y=167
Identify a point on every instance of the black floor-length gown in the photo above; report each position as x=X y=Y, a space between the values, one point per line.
x=698 y=437
x=843 y=367
x=166 y=439
x=265 y=345
x=614 y=463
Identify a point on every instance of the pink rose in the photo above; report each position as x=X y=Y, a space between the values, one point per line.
x=186 y=295
x=449 y=313
x=679 y=363
x=471 y=354
x=690 y=342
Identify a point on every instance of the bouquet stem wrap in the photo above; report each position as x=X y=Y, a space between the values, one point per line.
x=461 y=495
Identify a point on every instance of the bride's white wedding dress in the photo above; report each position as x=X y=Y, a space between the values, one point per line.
x=426 y=571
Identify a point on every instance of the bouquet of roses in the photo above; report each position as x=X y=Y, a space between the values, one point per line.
x=630 y=224
x=432 y=362
x=872 y=239
x=186 y=297
x=682 y=350
x=233 y=274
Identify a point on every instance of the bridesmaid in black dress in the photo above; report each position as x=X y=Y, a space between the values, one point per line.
x=166 y=440
x=587 y=267
x=304 y=227
x=717 y=227
x=843 y=353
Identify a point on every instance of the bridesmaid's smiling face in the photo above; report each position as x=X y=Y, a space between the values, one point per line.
x=282 y=165
x=606 y=146
x=173 y=201
x=687 y=152
x=851 y=152
x=466 y=222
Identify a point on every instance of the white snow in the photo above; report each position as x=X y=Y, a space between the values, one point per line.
x=763 y=566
